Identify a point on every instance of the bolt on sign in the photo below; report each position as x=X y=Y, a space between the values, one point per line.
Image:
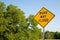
x=43 y=17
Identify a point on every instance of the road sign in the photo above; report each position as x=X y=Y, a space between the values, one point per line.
x=43 y=17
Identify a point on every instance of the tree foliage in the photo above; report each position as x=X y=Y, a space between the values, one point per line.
x=57 y=35
x=15 y=26
x=49 y=35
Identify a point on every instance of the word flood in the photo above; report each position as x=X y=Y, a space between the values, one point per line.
x=43 y=20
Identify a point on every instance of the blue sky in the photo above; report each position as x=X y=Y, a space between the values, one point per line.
x=33 y=6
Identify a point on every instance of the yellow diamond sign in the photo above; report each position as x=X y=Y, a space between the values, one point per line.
x=43 y=17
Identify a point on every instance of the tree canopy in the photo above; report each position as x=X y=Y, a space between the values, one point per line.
x=15 y=26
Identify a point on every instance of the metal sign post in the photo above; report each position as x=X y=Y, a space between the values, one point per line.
x=43 y=33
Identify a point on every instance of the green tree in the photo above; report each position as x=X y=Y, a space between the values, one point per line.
x=15 y=17
x=2 y=20
x=15 y=26
x=57 y=35
x=35 y=31
x=49 y=35
x=2 y=7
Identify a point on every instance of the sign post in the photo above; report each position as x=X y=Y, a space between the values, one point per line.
x=43 y=33
x=43 y=17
